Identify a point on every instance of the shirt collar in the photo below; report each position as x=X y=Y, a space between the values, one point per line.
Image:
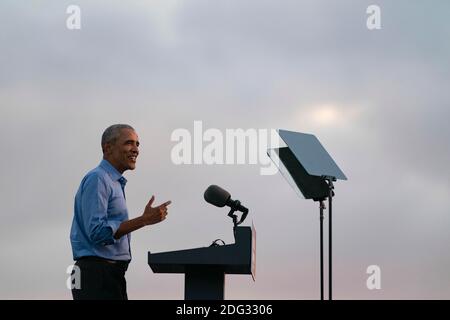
x=113 y=172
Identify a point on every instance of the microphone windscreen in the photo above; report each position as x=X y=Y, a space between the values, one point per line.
x=217 y=196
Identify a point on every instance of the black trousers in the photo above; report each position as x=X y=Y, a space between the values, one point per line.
x=101 y=280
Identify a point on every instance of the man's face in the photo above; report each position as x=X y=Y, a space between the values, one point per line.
x=124 y=152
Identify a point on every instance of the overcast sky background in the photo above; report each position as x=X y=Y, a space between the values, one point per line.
x=377 y=100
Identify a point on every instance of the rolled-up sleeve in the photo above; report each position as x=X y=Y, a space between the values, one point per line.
x=94 y=203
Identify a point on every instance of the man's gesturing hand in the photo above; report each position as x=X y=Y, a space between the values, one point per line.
x=156 y=214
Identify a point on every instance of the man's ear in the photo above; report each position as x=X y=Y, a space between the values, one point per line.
x=106 y=149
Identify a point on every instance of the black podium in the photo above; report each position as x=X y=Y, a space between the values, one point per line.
x=205 y=268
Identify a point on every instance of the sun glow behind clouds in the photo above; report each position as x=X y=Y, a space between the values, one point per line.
x=325 y=115
x=328 y=115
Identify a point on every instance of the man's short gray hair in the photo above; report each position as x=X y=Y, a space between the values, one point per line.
x=111 y=133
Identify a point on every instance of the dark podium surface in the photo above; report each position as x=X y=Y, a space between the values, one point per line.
x=205 y=268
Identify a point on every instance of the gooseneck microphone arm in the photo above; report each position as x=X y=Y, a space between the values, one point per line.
x=233 y=216
x=236 y=206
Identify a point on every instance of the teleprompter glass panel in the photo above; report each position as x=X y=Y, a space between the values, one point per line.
x=311 y=154
x=304 y=184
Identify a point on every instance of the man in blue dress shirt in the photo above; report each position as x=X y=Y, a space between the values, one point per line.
x=100 y=233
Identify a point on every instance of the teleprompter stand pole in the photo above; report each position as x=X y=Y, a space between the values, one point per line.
x=322 y=206
x=329 y=181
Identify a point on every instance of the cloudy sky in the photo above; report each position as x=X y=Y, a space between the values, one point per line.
x=378 y=100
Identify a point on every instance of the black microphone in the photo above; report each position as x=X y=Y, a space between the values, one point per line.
x=219 y=197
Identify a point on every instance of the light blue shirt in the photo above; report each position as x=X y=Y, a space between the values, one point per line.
x=100 y=208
